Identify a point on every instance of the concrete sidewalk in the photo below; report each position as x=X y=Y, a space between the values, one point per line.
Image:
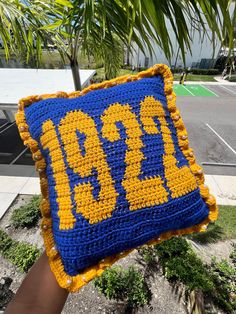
x=219 y=82
x=222 y=81
x=222 y=187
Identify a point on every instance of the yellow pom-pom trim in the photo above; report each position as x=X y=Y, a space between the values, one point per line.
x=74 y=283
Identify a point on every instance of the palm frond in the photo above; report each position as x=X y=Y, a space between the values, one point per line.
x=28 y=25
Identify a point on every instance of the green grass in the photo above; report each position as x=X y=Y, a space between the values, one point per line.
x=100 y=72
x=191 y=77
x=232 y=78
x=224 y=228
x=213 y=234
x=196 y=77
x=226 y=220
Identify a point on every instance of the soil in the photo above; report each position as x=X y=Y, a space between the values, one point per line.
x=220 y=250
x=166 y=299
x=31 y=235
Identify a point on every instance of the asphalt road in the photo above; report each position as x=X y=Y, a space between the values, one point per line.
x=12 y=150
x=223 y=90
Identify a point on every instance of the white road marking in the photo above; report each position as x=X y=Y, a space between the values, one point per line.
x=5 y=154
x=188 y=90
x=4 y=125
x=209 y=90
x=17 y=157
x=206 y=163
x=228 y=89
x=7 y=128
x=221 y=138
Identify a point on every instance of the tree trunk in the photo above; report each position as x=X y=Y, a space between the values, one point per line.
x=177 y=56
x=196 y=302
x=76 y=76
x=128 y=56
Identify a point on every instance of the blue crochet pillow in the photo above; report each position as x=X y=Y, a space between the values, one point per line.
x=116 y=172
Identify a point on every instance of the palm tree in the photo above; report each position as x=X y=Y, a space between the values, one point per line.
x=16 y=31
x=101 y=28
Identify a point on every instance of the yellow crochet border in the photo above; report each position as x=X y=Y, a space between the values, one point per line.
x=74 y=283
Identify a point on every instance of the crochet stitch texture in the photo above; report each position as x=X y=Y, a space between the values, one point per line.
x=116 y=172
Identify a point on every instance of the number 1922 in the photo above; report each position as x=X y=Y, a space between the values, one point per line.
x=140 y=193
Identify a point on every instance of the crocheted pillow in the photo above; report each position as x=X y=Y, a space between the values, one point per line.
x=116 y=172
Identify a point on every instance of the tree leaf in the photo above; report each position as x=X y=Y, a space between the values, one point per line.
x=66 y=3
x=52 y=26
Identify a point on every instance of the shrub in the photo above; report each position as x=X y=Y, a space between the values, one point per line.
x=128 y=285
x=27 y=215
x=138 y=291
x=190 y=271
x=177 y=246
x=233 y=255
x=148 y=254
x=204 y=71
x=23 y=255
x=5 y=242
x=180 y=263
x=197 y=71
x=232 y=78
x=111 y=283
x=223 y=275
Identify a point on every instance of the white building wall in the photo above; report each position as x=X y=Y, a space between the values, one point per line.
x=201 y=49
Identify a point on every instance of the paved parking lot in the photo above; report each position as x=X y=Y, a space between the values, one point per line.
x=12 y=150
x=205 y=90
x=209 y=113
x=211 y=124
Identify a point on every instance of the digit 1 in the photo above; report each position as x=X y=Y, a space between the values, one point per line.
x=50 y=141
